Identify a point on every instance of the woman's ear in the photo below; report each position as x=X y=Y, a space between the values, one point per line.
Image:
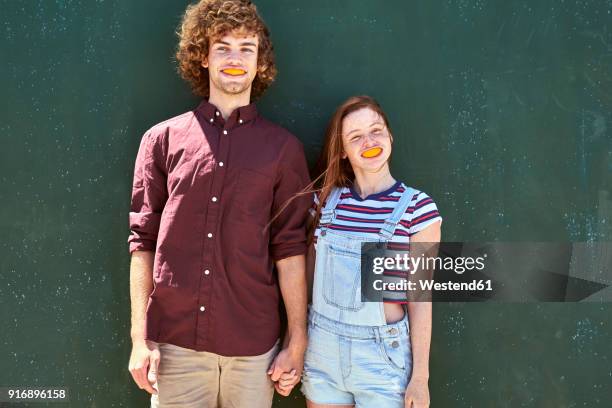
x=205 y=62
x=344 y=155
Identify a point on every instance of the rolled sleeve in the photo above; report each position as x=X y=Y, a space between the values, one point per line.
x=288 y=230
x=149 y=195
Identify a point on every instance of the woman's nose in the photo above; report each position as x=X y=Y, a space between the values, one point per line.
x=369 y=140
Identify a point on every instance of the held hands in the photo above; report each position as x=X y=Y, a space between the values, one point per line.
x=417 y=393
x=143 y=365
x=286 y=369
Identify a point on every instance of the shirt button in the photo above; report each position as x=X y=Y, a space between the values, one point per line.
x=217 y=113
x=395 y=344
x=202 y=308
x=209 y=235
x=393 y=331
x=214 y=199
x=212 y=120
x=206 y=272
x=220 y=164
x=225 y=132
x=239 y=120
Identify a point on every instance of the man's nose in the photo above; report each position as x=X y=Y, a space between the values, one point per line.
x=234 y=58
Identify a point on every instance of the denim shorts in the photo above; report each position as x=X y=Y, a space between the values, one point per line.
x=368 y=366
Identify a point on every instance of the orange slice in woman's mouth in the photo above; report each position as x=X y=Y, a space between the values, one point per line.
x=373 y=152
x=234 y=71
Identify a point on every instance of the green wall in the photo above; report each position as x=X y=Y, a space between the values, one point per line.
x=501 y=110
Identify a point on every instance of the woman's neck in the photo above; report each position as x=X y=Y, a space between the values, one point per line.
x=367 y=184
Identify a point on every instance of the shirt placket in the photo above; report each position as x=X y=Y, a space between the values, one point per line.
x=212 y=198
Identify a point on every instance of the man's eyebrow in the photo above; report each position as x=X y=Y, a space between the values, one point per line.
x=243 y=44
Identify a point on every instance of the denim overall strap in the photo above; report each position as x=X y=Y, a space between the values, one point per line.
x=328 y=213
x=388 y=228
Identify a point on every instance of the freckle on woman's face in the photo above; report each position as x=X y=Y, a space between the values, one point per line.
x=366 y=139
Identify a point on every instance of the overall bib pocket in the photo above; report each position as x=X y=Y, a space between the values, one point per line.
x=342 y=286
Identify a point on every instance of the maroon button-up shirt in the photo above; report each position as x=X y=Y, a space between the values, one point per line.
x=204 y=190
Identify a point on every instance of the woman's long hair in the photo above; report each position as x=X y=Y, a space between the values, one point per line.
x=332 y=170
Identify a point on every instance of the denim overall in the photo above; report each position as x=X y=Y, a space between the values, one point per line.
x=353 y=355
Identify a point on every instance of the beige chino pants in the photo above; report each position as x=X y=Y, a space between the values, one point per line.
x=198 y=379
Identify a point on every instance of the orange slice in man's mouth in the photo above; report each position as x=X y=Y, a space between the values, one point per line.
x=234 y=71
x=373 y=152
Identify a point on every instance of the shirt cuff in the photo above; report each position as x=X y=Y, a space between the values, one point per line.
x=141 y=245
x=283 y=251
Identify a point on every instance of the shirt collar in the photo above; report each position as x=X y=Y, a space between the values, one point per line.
x=241 y=115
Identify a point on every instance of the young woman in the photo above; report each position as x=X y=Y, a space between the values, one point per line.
x=364 y=354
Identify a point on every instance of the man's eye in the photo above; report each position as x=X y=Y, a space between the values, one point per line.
x=222 y=49
x=249 y=50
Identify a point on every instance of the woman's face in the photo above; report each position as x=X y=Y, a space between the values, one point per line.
x=366 y=140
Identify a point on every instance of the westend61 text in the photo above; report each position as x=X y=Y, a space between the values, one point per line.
x=428 y=285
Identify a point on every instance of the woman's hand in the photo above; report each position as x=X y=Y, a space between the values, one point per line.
x=417 y=393
x=286 y=369
x=286 y=382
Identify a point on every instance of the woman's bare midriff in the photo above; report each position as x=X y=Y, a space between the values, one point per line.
x=393 y=312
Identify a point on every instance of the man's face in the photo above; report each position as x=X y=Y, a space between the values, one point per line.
x=232 y=62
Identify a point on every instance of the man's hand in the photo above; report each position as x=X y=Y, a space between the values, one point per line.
x=286 y=369
x=144 y=362
x=417 y=393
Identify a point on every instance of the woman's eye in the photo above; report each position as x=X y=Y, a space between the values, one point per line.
x=355 y=138
x=247 y=50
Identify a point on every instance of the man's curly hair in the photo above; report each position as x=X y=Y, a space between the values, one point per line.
x=209 y=20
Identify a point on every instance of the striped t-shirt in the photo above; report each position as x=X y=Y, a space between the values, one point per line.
x=366 y=216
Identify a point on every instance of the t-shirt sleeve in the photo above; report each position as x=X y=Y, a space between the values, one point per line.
x=424 y=213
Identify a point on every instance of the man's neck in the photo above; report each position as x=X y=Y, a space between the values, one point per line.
x=227 y=103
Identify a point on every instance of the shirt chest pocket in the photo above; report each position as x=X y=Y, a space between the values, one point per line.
x=253 y=197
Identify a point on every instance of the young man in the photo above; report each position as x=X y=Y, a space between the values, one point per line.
x=207 y=185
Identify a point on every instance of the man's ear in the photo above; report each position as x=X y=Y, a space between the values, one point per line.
x=205 y=62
